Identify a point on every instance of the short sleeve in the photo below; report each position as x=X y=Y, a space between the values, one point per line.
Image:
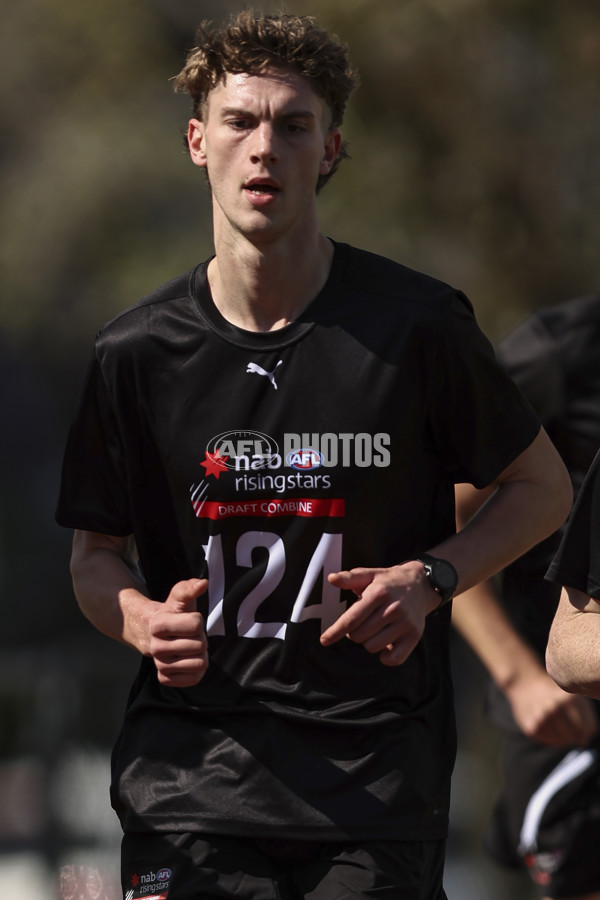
x=577 y=561
x=533 y=360
x=480 y=419
x=93 y=491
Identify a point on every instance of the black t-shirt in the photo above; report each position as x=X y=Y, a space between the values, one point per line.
x=577 y=562
x=554 y=357
x=267 y=460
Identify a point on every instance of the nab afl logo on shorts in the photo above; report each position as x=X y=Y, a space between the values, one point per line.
x=163 y=874
x=305 y=458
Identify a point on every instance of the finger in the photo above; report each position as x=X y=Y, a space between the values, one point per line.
x=169 y=627
x=582 y=721
x=184 y=594
x=168 y=651
x=589 y=716
x=397 y=653
x=377 y=636
x=560 y=734
x=347 y=622
x=385 y=624
x=354 y=580
x=565 y=730
x=182 y=673
x=182 y=664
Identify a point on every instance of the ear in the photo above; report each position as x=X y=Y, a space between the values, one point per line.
x=333 y=140
x=197 y=142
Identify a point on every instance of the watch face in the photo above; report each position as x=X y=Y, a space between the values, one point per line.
x=444 y=575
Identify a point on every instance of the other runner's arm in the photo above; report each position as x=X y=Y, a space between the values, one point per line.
x=573 y=651
x=542 y=710
x=532 y=498
x=112 y=595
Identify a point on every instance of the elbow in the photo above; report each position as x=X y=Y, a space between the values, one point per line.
x=565 y=680
x=569 y=671
x=558 y=672
x=572 y=655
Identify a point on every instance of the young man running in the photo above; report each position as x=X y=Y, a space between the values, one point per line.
x=278 y=433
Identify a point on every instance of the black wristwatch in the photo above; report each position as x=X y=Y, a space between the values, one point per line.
x=442 y=576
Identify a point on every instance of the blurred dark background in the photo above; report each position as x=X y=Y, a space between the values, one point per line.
x=475 y=143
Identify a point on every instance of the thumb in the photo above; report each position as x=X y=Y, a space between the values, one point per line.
x=183 y=595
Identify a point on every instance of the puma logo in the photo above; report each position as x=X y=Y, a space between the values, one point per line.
x=258 y=370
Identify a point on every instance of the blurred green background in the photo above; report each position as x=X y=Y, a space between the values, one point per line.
x=475 y=143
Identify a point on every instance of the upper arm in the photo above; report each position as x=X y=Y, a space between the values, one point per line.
x=109 y=587
x=468 y=500
x=86 y=544
x=541 y=466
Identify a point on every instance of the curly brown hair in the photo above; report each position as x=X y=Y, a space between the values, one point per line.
x=252 y=42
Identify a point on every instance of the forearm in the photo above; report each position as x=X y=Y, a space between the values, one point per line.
x=573 y=652
x=110 y=591
x=480 y=619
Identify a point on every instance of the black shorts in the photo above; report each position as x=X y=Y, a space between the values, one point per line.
x=547 y=818
x=202 y=867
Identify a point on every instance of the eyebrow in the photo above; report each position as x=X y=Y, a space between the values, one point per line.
x=292 y=114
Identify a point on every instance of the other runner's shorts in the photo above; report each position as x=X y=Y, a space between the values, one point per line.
x=207 y=867
x=547 y=818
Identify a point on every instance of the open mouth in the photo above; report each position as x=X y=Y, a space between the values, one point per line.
x=262 y=187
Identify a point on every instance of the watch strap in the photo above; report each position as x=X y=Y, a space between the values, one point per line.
x=430 y=563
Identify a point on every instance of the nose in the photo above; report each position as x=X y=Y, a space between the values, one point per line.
x=264 y=144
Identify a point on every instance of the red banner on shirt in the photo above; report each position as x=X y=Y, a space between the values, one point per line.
x=278 y=506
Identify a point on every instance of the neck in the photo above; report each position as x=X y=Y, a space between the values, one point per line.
x=266 y=288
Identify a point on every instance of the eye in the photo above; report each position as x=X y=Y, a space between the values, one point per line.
x=239 y=124
x=295 y=127
x=237 y=120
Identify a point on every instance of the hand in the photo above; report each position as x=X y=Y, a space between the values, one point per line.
x=389 y=616
x=178 y=642
x=546 y=713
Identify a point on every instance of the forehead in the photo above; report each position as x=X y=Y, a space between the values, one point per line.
x=275 y=90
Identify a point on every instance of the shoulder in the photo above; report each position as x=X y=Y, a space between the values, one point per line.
x=572 y=315
x=556 y=328
x=554 y=341
x=380 y=278
x=173 y=300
